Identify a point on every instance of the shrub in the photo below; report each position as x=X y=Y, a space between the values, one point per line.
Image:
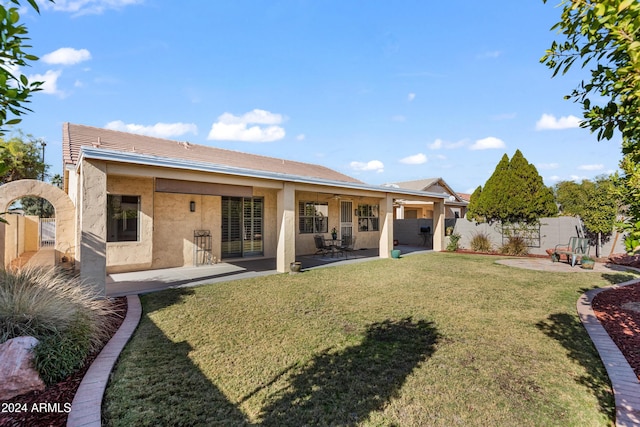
x=516 y=245
x=61 y=353
x=66 y=316
x=481 y=242
x=454 y=240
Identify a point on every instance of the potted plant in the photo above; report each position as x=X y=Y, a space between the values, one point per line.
x=587 y=263
x=295 y=267
x=334 y=233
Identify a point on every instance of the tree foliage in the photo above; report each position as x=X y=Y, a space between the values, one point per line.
x=15 y=88
x=595 y=202
x=22 y=157
x=515 y=193
x=604 y=35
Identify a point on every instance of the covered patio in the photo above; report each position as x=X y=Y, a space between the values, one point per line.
x=140 y=282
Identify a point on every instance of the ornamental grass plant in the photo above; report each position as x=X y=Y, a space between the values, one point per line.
x=516 y=245
x=60 y=311
x=481 y=242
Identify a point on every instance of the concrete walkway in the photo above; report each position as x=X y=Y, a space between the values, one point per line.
x=86 y=406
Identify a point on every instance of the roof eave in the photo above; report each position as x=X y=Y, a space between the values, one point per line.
x=157 y=161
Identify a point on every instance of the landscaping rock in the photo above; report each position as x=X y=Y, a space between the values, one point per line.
x=16 y=368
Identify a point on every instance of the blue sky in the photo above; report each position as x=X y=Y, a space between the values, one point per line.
x=382 y=91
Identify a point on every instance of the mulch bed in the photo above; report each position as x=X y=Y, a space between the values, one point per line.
x=618 y=310
x=59 y=395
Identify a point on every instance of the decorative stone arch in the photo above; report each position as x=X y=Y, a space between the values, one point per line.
x=65 y=209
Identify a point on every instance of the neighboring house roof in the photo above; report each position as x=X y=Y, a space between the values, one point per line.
x=465 y=196
x=77 y=136
x=432 y=185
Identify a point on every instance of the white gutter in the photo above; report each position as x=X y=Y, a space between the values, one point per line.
x=165 y=162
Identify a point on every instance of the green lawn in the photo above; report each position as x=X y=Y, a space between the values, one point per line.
x=426 y=340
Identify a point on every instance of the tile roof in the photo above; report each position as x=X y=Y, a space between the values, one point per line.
x=420 y=184
x=76 y=136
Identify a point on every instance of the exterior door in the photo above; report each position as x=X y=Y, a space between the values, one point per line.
x=242 y=219
x=346 y=219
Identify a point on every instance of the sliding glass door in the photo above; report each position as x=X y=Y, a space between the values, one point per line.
x=242 y=231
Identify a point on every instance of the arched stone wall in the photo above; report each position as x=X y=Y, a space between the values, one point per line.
x=65 y=209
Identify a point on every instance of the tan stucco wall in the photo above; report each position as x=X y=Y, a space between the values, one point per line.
x=174 y=225
x=363 y=239
x=65 y=210
x=130 y=256
x=167 y=226
x=31 y=233
x=270 y=220
x=13 y=232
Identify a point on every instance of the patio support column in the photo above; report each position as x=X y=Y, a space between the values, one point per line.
x=286 y=250
x=400 y=212
x=93 y=225
x=438 y=226
x=386 y=232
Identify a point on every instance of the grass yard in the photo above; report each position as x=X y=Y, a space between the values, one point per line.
x=427 y=340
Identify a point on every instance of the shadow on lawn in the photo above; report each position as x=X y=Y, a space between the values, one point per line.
x=569 y=332
x=156 y=383
x=344 y=388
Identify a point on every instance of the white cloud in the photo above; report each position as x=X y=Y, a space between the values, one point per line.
x=236 y=128
x=67 y=56
x=439 y=144
x=49 y=82
x=416 y=159
x=596 y=167
x=549 y=122
x=301 y=137
x=547 y=165
x=373 y=165
x=489 y=143
x=554 y=178
x=411 y=96
x=88 y=7
x=159 y=130
x=578 y=178
x=436 y=145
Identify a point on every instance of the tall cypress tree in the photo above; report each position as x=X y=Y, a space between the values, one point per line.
x=515 y=193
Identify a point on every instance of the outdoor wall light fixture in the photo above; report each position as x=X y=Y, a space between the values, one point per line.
x=192 y=206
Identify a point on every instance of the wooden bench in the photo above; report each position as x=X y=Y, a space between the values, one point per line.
x=577 y=247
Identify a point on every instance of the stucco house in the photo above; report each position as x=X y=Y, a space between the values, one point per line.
x=133 y=202
x=455 y=203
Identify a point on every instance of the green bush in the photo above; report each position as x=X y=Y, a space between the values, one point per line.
x=68 y=319
x=60 y=354
x=481 y=242
x=516 y=245
x=454 y=240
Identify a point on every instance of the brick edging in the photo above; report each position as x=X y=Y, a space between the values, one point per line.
x=626 y=388
x=86 y=408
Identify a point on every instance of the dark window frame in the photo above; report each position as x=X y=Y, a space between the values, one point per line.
x=311 y=219
x=123 y=218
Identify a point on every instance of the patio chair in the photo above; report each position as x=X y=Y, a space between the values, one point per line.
x=321 y=247
x=347 y=245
